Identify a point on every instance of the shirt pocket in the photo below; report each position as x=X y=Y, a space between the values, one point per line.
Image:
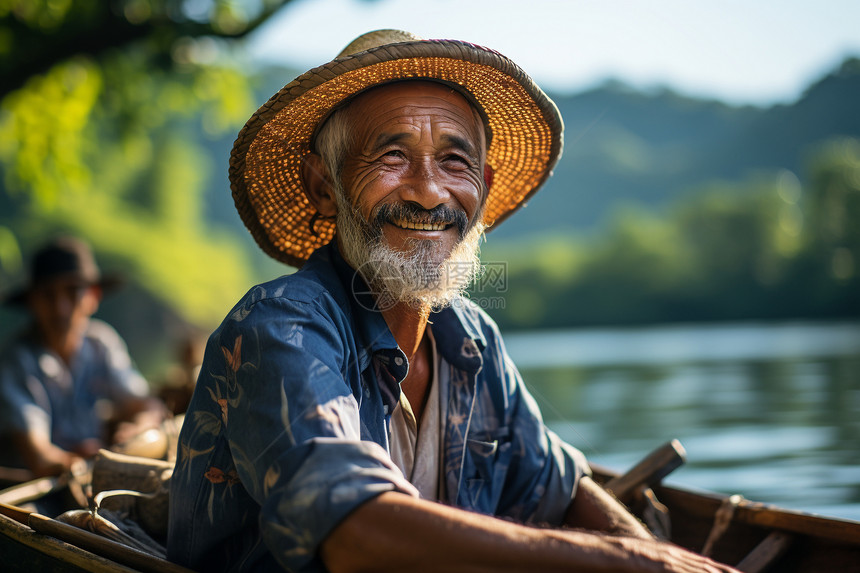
x=489 y=458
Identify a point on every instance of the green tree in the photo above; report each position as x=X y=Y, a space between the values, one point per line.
x=828 y=270
x=767 y=247
x=104 y=119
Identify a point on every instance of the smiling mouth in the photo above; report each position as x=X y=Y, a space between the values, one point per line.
x=416 y=226
x=409 y=217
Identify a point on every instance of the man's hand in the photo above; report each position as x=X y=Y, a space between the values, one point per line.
x=668 y=558
x=89 y=448
x=42 y=457
x=136 y=418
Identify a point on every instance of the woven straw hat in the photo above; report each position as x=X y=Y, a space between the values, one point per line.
x=265 y=165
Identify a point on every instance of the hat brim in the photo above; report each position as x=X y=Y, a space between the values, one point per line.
x=18 y=298
x=266 y=161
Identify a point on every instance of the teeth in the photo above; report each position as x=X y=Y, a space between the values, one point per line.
x=420 y=226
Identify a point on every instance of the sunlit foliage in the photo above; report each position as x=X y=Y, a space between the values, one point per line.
x=105 y=111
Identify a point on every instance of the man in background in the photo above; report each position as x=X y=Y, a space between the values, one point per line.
x=67 y=378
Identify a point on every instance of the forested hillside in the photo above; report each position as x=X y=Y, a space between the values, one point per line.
x=651 y=149
x=626 y=146
x=662 y=208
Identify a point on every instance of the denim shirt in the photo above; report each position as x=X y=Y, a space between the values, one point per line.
x=40 y=393
x=287 y=431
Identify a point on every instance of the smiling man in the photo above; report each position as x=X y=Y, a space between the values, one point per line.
x=415 y=164
x=360 y=414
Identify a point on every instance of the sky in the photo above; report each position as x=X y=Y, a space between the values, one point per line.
x=756 y=52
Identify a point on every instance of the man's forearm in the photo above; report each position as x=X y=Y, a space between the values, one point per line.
x=395 y=532
x=41 y=456
x=595 y=509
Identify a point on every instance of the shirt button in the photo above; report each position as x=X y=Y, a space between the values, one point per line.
x=398 y=360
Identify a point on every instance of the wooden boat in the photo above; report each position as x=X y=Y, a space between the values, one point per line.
x=754 y=537
x=35 y=537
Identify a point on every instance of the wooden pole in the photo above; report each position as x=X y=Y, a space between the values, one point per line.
x=91 y=542
x=653 y=468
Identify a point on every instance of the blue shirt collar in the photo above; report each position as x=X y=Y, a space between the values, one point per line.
x=463 y=340
x=457 y=323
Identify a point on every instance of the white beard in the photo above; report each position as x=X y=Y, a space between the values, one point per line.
x=421 y=277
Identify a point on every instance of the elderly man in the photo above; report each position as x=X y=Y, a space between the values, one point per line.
x=360 y=414
x=67 y=377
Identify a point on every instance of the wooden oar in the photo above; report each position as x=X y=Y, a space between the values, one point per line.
x=31 y=490
x=654 y=467
x=15 y=475
x=91 y=542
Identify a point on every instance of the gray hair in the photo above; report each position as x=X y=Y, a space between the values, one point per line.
x=332 y=141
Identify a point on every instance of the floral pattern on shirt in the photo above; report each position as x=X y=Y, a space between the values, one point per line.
x=287 y=432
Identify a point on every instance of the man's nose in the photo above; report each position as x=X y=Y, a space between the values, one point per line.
x=63 y=305
x=424 y=186
x=63 y=302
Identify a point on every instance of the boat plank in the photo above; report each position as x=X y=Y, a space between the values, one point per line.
x=819 y=544
x=766 y=552
x=26 y=551
x=764 y=515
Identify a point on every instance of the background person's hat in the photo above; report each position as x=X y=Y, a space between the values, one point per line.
x=64 y=257
x=265 y=165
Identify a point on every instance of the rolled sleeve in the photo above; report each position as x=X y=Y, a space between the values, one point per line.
x=332 y=481
x=273 y=410
x=296 y=439
x=566 y=466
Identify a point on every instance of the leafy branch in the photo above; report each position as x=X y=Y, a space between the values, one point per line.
x=36 y=35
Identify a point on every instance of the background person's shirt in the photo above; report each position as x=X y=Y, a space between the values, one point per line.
x=40 y=393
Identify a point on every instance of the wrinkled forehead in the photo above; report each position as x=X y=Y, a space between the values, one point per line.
x=425 y=85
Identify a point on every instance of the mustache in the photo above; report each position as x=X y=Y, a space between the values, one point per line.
x=439 y=215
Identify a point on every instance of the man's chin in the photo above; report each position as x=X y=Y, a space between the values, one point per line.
x=401 y=266
x=434 y=251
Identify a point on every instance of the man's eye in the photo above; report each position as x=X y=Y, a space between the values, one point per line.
x=458 y=160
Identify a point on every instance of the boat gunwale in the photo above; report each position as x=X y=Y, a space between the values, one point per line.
x=59 y=550
x=704 y=504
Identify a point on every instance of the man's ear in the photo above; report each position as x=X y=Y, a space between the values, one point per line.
x=488 y=175
x=318 y=186
x=93 y=297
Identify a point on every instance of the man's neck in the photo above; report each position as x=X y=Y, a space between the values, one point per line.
x=406 y=323
x=63 y=346
x=408 y=326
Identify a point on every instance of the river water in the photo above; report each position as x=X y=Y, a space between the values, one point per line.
x=769 y=411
